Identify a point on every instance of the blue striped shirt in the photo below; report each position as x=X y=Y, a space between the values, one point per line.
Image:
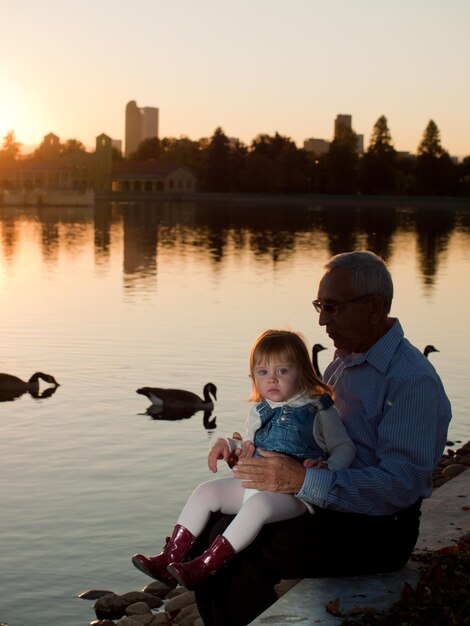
x=396 y=411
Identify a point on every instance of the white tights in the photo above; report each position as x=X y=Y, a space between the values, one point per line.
x=225 y=495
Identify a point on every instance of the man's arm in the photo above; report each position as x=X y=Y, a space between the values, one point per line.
x=410 y=436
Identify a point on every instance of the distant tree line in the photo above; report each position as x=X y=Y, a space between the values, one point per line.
x=274 y=164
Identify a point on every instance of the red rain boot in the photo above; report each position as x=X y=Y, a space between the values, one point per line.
x=176 y=549
x=196 y=572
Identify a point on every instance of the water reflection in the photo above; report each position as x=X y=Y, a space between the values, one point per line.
x=275 y=232
x=172 y=414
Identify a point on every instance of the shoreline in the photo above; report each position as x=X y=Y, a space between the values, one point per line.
x=163 y=605
x=312 y=201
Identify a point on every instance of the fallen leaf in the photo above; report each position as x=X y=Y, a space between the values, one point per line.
x=333 y=607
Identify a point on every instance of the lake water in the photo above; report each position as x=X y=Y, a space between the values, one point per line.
x=121 y=296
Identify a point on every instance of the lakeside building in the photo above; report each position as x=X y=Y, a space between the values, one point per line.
x=76 y=176
x=141 y=123
x=141 y=177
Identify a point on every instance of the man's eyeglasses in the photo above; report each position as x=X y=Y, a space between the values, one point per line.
x=333 y=309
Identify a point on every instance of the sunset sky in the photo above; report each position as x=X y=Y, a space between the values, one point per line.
x=248 y=66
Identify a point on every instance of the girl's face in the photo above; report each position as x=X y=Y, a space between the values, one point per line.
x=276 y=380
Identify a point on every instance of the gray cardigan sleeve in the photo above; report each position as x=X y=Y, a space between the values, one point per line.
x=332 y=437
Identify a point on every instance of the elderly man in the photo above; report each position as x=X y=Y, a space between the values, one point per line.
x=366 y=517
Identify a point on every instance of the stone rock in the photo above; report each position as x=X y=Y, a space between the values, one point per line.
x=173 y=605
x=438 y=481
x=161 y=619
x=138 y=608
x=453 y=470
x=157 y=588
x=100 y=622
x=143 y=620
x=175 y=592
x=152 y=601
x=185 y=621
x=187 y=616
x=110 y=606
x=128 y=621
x=93 y=594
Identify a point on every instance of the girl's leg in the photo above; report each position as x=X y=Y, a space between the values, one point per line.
x=262 y=508
x=222 y=495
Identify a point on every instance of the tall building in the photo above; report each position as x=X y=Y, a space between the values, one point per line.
x=343 y=120
x=346 y=122
x=141 y=123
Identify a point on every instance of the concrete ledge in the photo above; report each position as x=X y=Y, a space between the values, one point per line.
x=444 y=520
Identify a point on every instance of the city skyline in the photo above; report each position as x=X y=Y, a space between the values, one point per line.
x=248 y=67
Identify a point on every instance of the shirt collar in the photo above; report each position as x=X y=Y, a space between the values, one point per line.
x=380 y=353
x=299 y=399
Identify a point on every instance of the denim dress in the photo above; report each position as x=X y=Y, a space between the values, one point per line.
x=289 y=429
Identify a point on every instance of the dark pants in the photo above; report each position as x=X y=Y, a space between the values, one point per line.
x=326 y=543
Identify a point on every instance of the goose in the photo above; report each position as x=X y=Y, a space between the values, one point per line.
x=315 y=350
x=428 y=349
x=12 y=387
x=180 y=398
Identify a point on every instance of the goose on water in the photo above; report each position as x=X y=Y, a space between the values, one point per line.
x=317 y=347
x=12 y=387
x=180 y=398
x=428 y=349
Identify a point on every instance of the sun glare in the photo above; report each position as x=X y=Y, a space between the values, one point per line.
x=17 y=113
x=8 y=111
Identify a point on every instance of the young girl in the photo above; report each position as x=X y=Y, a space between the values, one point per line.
x=292 y=414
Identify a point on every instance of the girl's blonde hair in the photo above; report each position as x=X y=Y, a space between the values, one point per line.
x=287 y=346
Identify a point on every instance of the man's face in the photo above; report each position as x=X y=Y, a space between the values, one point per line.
x=348 y=326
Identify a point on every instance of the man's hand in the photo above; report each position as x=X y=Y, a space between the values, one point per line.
x=271 y=472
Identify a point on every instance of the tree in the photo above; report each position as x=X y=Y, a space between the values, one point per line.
x=72 y=145
x=378 y=165
x=183 y=151
x=257 y=174
x=274 y=164
x=436 y=174
x=431 y=142
x=464 y=176
x=341 y=162
x=11 y=148
x=216 y=172
x=149 y=149
x=116 y=155
x=237 y=159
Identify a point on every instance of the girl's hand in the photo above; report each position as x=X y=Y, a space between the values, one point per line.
x=218 y=451
x=247 y=450
x=314 y=463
